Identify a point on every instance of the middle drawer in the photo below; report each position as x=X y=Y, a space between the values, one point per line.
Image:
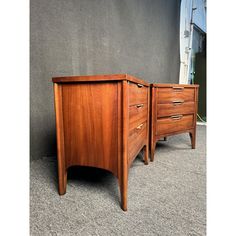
x=175 y=108
x=137 y=114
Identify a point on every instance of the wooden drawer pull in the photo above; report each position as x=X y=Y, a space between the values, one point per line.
x=139 y=105
x=178 y=88
x=140 y=85
x=177 y=117
x=139 y=127
x=178 y=101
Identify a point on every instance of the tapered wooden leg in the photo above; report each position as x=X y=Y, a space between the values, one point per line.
x=123 y=182
x=152 y=150
x=62 y=172
x=145 y=150
x=62 y=179
x=193 y=138
x=124 y=197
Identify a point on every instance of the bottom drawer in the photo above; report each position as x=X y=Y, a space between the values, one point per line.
x=174 y=124
x=137 y=138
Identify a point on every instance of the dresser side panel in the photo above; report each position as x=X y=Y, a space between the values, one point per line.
x=90 y=112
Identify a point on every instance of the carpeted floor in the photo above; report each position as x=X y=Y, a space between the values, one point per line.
x=166 y=197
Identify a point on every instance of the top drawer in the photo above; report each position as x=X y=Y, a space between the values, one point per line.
x=138 y=94
x=168 y=95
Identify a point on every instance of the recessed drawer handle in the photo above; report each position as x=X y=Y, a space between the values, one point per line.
x=178 y=117
x=139 y=127
x=178 y=101
x=139 y=105
x=140 y=85
x=178 y=88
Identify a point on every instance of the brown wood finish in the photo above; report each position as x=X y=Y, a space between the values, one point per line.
x=146 y=147
x=93 y=107
x=96 y=78
x=101 y=122
x=174 y=108
x=138 y=94
x=152 y=122
x=173 y=111
x=62 y=172
x=175 y=94
x=124 y=158
x=137 y=114
x=174 y=124
x=137 y=138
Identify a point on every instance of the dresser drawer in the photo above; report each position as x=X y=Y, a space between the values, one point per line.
x=137 y=115
x=138 y=93
x=136 y=140
x=168 y=95
x=175 y=108
x=174 y=124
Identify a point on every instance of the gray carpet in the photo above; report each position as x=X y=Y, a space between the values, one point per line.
x=166 y=197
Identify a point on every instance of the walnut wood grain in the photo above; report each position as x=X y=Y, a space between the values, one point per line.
x=146 y=147
x=174 y=124
x=62 y=170
x=90 y=125
x=176 y=107
x=125 y=130
x=173 y=111
x=138 y=94
x=94 y=118
x=137 y=139
x=194 y=130
x=137 y=114
x=96 y=78
x=168 y=85
x=168 y=95
x=139 y=104
x=152 y=119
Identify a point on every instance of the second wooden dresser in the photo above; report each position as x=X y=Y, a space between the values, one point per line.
x=173 y=111
x=102 y=121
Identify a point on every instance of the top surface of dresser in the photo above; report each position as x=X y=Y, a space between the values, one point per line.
x=96 y=78
x=174 y=85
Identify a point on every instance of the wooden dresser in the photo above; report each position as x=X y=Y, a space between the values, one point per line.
x=173 y=111
x=101 y=121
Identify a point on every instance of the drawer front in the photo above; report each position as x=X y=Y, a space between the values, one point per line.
x=137 y=115
x=168 y=95
x=137 y=94
x=174 y=124
x=137 y=138
x=175 y=108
